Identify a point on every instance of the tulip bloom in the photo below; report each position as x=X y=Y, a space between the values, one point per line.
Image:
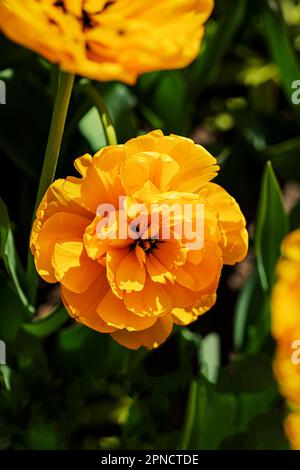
x=108 y=40
x=136 y=288
x=286 y=330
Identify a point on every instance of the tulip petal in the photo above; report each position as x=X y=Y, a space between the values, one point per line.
x=83 y=307
x=149 y=338
x=113 y=311
x=73 y=268
x=232 y=222
x=60 y=227
x=153 y=300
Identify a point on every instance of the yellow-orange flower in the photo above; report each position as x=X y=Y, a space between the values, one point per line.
x=286 y=329
x=292 y=429
x=108 y=40
x=137 y=289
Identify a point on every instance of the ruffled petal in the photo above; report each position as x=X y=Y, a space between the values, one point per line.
x=83 y=307
x=60 y=227
x=183 y=316
x=234 y=242
x=150 y=338
x=73 y=268
x=152 y=301
x=113 y=311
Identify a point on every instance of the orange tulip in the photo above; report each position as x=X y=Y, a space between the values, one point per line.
x=286 y=330
x=292 y=429
x=136 y=289
x=108 y=40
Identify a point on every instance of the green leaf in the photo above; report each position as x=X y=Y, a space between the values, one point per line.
x=73 y=338
x=265 y=432
x=121 y=102
x=210 y=417
x=210 y=353
x=171 y=94
x=251 y=380
x=271 y=226
x=48 y=325
x=251 y=317
x=219 y=39
x=91 y=128
x=10 y=257
x=241 y=314
x=280 y=47
x=109 y=134
x=5 y=376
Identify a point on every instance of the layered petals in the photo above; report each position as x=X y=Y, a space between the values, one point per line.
x=108 y=40
x=138 y=241
x=286 y=330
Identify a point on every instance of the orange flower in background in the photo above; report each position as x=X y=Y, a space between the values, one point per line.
x=108 y=40
x=136 y=289
x=292 y=429
x=286 y=330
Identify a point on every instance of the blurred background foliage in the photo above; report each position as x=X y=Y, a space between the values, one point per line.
x=210 y=386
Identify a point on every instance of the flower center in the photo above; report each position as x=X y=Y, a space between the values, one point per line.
x=147 y=245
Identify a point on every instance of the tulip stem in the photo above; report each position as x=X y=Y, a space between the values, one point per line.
x=61 y=105
x=190 y=417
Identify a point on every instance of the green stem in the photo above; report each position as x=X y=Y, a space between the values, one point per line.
x=61 y=105
x=96 y=98
x=190 y=417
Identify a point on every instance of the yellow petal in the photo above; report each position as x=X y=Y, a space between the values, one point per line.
x=113 y=311
x=83 y=307
x=73 y=268
x=150 y=338
x=82 y=163
x=183 y=317
x=60 y=227
x=153 y=300
x=234 y=242
x=131 y=275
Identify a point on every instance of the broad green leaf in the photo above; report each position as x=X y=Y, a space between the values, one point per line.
x=251 y=380
x=91 y=128
x=121 y=102
x=169 y=101
x=280 y=47
x=10 y=257
x=109 y=134
x=47 y=325
x=215 y=414
x=210 y=417
x=265 y=432
x=271 y=226
x=73 y=338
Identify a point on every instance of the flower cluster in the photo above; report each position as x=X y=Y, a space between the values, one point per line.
x=108 y=40
x=286 y=330
x=137 y=289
